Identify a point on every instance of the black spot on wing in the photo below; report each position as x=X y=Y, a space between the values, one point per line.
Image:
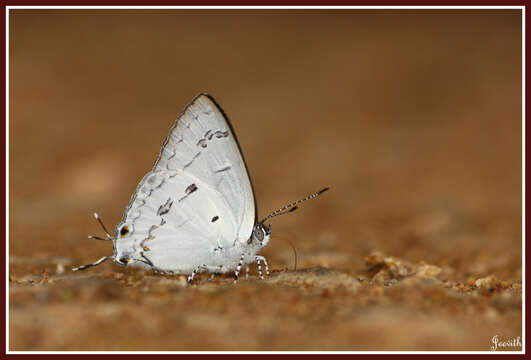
x=191 y=161
x=165 y=208
x=221 y=134
x=190 y=189
x=209 y=135
x=224 y=168
x=202 y=143
x=215 y=218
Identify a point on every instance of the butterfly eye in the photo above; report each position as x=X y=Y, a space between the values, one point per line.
x=258 y=233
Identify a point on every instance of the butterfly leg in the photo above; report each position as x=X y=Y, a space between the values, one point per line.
x=259 y=259
x=191 y=276
x=214 y=270
x=195 y=271
x=259 y=263
x=238 y=268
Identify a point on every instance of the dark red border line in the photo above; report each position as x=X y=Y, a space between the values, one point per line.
x=234 y=3
x=270 y=3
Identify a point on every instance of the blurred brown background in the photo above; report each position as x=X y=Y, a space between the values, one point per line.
x=412 y=117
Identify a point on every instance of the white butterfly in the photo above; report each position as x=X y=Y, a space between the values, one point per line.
x=195 y=210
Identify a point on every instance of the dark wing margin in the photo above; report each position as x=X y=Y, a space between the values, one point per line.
x=239 y=148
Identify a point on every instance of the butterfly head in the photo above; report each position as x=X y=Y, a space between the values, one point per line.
x=261 y=234
x=122 y=258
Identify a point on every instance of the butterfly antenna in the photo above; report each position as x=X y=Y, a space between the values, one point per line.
x=83 y=267
x=293 y=206
x=109 y=237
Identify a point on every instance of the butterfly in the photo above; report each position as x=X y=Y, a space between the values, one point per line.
x=195 y=211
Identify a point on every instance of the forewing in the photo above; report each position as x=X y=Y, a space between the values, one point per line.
x=202 y=143
x=197 y=198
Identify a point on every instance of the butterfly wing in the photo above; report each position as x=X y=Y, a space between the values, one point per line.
x=197 y=198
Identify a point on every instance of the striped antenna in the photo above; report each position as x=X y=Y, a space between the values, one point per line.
x=292 y=206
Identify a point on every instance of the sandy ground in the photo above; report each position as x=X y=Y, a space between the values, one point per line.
x=413 y=118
